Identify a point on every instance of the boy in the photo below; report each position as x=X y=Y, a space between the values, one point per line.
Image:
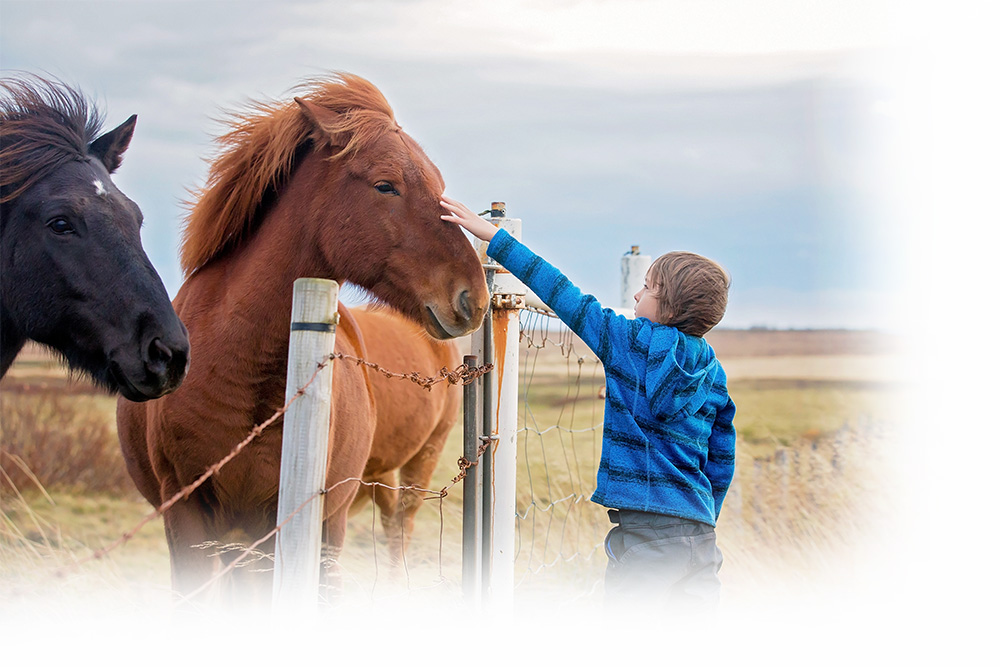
x=669 y=444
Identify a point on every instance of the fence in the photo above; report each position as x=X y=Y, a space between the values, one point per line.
x=527 y=468
x=517 y=522
x=509 y=535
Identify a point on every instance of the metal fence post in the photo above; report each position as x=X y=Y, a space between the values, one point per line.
x=472 y=535
x=486 y=429
x=304 y=446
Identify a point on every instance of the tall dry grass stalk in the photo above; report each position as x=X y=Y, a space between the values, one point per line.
x=63 y=483
x=810 y=492
x=810 y=485
x=797 y=518
x=802 y=516
x=51 y=440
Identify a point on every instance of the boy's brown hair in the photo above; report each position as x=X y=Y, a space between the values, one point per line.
x=691 y=291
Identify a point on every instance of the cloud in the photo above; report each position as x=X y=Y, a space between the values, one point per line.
x=596 y=136
x=450 y=27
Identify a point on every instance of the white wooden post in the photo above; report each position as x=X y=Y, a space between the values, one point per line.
x=304 y=446
x=634 y=268
x=507 y=301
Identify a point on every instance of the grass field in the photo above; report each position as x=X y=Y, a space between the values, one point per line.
x=815 y=423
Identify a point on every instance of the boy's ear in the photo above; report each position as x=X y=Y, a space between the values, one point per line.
x=324 y=123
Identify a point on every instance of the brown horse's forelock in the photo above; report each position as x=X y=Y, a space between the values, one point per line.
x=43 y=125
x=258 y=154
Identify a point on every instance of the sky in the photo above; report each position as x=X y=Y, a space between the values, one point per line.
x=747 y=131
x=839 y=158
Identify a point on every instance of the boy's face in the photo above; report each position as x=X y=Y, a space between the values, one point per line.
x=646 y=304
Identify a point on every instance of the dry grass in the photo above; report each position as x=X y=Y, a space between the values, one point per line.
x=46 y=541
x=811 y=462
x=60 y=442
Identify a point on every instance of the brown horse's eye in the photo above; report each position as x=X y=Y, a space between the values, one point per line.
x=386 y=188
x=60 y=226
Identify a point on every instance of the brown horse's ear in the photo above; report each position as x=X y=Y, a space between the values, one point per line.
x=109 y=147
x=325 y=121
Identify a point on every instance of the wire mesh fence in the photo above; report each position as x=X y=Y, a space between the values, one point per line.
x=789 y=501
x=559 y=533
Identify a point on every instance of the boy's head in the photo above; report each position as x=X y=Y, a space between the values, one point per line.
x=686 y=291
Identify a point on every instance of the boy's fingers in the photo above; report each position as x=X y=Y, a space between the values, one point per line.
x=454 y=204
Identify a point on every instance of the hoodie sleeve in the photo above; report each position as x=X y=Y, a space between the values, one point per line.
x=722 y=454
x=596 y=326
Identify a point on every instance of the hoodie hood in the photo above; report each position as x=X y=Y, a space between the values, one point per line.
x=680 y=373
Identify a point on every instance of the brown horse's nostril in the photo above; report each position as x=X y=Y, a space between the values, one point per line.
x=464 y=305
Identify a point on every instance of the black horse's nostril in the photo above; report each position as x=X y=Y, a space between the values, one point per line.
x=166 y=364
x=159 y=354
x=464 y=305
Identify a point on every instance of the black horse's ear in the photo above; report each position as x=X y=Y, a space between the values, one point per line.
x=325 y=121
x=109 y=147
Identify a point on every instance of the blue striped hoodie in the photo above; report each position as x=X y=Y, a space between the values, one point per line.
x=669 y=443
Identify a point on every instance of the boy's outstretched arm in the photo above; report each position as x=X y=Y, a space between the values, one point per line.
x=460 y=214
x=581 y=312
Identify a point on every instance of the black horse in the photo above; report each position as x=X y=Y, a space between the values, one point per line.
x=73 y=273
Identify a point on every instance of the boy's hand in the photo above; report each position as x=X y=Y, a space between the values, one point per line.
x=460 y=214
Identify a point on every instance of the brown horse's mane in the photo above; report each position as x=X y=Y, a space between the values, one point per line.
x=43 y=125
x=257 y=155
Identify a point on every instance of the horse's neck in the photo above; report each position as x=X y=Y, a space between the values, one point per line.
x=242 y=300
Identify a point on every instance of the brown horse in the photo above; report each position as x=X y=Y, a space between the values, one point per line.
x=413 y=424
x=326 y=186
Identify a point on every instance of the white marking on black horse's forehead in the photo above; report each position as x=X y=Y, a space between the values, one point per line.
x=101 y=190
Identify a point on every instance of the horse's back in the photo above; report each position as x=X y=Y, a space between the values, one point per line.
x=408 y=415
x=399 y=345
x=354 y=402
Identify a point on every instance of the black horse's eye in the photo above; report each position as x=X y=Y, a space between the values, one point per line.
x=60 y=226
x=386 y=188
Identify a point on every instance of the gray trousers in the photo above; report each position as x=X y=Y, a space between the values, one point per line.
x=661 y=562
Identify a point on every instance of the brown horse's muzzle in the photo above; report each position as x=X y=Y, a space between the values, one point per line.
x=463 y=316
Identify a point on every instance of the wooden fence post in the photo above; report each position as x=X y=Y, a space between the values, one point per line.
x=633 y=275
x=304 y=446
x=508 y=298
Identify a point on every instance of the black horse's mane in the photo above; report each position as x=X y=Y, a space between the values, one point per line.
x=43 y=125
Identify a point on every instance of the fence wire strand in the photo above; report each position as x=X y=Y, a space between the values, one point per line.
x=559 y=428
x=463 y=374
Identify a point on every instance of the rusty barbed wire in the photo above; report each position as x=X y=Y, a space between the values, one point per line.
x=462 y=374
x=251 y=550
x=464 y=465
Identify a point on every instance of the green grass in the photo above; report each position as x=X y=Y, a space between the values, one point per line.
x=785 y=411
